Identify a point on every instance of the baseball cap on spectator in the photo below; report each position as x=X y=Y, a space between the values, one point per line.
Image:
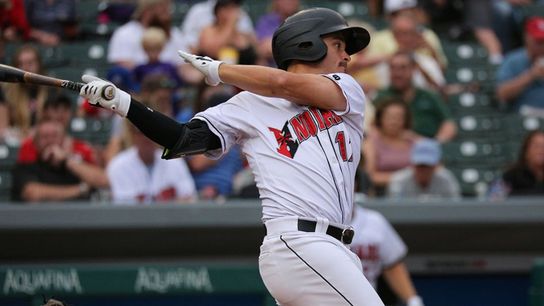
x=426 y=152
x=391 y=6
x=534 y=27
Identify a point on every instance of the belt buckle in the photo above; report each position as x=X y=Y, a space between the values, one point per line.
x=347 y=235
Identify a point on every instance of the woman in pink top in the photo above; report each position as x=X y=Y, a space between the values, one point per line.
x=387 y=148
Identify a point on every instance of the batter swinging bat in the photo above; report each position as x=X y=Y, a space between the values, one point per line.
x=15 y=75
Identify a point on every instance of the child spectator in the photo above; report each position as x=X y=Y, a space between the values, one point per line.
x=153 y=41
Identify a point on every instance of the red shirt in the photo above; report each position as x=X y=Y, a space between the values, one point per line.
x=29 y=154
x=15 y=16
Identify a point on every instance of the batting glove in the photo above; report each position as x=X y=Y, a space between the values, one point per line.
x=105 y=94
x=204 y=64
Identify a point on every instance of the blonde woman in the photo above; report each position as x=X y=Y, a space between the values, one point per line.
x=24 y=102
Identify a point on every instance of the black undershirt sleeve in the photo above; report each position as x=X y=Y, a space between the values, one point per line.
x=177 y=138
x=156 y=126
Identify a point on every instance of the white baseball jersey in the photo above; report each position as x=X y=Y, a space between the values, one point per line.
x=133 y=182
x=376 y=243
x=304 y=159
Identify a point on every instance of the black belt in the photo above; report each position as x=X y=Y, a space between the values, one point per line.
x=345 y=235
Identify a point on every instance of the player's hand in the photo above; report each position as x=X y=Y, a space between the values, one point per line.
x=207 y=66
x=105 y=94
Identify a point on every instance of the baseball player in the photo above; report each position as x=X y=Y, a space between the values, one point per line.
x=301 y=128
x=381 y=250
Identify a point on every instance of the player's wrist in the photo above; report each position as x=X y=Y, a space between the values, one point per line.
x=213 y=77
x=124 y=103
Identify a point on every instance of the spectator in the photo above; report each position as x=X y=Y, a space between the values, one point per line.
x=425 y=178
x=475 y=15
x=268 y=23
x=125 y=46
x=58 y=108
x=382 y=251
x=25 y=101
x=158 y=90
x=223 y=41
x=13 y=22
x=4 y=117
x=406 y=34
x=526 y=177
x=52 y=20
x=139 y=175
x=387 y=148
x=508 y=16
x=56 y=175
x=520 y=78
x=430 y=116
x=214 y=178
x=201 y=15
x=153 y=41
x=197 y=18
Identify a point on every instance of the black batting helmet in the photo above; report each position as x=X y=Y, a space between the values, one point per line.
x=299 y=36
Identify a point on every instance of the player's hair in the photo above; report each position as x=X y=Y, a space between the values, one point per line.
x=387 y=102
x=299 y=37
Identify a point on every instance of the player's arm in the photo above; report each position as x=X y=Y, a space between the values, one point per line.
x=178 y=139
x=301 y=88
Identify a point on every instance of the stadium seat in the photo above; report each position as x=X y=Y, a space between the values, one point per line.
x=5 y=187
x=468 y=103
x=477 y=152
x=475 y=180
x=92 y=130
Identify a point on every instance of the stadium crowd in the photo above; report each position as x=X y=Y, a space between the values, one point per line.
x=420 y=141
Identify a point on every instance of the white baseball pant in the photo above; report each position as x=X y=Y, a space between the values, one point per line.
x=311 y=268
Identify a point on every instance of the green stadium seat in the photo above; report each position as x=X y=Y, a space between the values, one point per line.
x=475 y=180
x=481 y=125
x=467 y=103
x=92 y=130
x=479 y=152
x=88 y=53
x=8 y=156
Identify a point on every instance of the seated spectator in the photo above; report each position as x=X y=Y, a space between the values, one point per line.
x=214 y=178
x=25 y=101
x=268 y=23
x=382 y=251
x=508 y=17
x=158 y=90
x=53 y=20
x=388 y=145
x=221 y=40
x=425 y=178
x=4 y=117
x=460 y=16
x=138 y=175
x=520 y=78
x=13 y=22
x=56 y=174
x=430 y=116
x=407 y=35
x=125 y=46
x=201 y=15
x=153 y=41
x=58 y=108
x=526 y=177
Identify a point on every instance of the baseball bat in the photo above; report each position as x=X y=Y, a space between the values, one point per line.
x=15 y=75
